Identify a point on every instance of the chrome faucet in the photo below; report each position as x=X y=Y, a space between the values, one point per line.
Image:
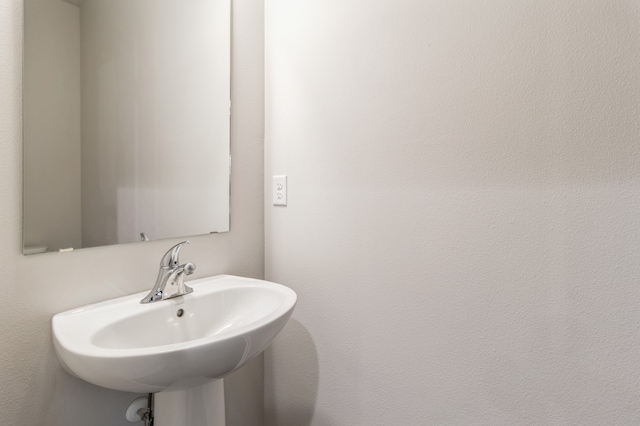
x=170 y=281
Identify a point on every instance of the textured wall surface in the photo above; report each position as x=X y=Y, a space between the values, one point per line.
x=34 y=390
x=462 y=227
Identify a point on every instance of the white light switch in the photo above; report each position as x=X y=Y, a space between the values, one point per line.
x=279 y=190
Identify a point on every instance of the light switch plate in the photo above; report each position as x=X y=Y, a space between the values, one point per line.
x=279 y=190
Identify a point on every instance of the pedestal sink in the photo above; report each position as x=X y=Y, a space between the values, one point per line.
x=173 y=346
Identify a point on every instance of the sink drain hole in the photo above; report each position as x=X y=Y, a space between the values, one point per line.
x=180 y=313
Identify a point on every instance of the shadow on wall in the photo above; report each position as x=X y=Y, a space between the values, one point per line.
x=291 y=378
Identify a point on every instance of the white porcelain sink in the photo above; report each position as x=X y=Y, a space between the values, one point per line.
x=172 y=344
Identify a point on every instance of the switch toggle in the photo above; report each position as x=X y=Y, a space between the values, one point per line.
x=279 y=190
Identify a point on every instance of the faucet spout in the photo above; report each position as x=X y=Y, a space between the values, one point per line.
x=171 y=257
x=170 y=281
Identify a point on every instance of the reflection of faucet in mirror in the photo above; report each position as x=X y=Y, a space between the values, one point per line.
x=170 y=281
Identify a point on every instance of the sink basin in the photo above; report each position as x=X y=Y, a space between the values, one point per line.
x=172 y=344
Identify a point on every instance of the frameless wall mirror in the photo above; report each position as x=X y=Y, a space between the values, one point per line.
x=126 y=121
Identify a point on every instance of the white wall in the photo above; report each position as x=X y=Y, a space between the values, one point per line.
x=155 y=118
x=52 y=130
x=34 y=390
x=462 y=227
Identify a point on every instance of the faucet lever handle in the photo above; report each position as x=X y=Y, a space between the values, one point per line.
x=171 y=257
x=189 y=268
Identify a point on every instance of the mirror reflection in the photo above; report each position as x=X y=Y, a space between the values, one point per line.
x=126 y=121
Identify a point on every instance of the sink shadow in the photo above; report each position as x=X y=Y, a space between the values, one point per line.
x=291 y=378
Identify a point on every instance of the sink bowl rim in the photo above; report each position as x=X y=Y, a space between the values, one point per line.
x=83 y=345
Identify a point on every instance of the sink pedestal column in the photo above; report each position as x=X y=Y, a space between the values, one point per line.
x=199 y=406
